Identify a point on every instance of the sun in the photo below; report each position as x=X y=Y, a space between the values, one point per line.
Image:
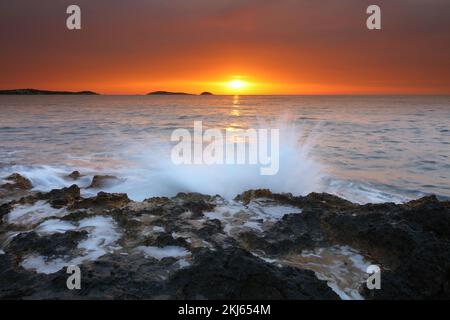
x=237 y=84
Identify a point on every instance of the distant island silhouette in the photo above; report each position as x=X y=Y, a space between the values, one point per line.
x=169 y=93
x=52 y=92
x=44 y=92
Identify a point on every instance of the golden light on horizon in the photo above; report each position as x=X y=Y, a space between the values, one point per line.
x=237 y=84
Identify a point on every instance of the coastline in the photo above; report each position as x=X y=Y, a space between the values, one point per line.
x=261 y=245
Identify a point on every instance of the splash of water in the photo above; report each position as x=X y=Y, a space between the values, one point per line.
x=155 y=174
x=146 y=170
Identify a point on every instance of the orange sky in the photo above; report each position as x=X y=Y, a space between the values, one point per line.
x=274 y=46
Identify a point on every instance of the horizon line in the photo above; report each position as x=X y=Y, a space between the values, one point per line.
x=228 y=94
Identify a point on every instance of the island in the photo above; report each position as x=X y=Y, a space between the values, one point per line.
x=206 y=93
x=167 y=93
x=43 y=92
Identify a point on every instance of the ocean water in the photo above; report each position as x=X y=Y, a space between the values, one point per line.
x=363 y=148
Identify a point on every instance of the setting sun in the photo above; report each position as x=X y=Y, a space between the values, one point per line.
x=237 y=84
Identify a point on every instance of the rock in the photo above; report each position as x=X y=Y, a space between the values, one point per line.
x=206 y=93
x=249 y=195
x=103 y=200
x=17 y=182
x=163 y=240
x=401 y=238
x=15 y=282
x=75 y=175
x=58 y=244
x=410 y=242
x=62 y=197
x=236 y=274
x=101 y=181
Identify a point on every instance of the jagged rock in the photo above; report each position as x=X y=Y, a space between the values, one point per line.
x=247 y=196
x=236 y=274
x=75 y=175
x=103 y=200
x=410 y=242
x=58 y=244
x=62 y=197
x=16 y=188
x=99 y=181
x=17 y=182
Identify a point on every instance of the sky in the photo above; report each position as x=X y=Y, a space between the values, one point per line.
x=227 y=46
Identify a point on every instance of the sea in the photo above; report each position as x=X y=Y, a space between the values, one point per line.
x=367 y=149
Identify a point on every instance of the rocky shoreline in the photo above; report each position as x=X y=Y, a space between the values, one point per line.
x=261 y=245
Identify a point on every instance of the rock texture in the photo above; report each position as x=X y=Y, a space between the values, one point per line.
x=261 y=245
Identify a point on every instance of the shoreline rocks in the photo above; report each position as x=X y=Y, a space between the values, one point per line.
x=262 y=245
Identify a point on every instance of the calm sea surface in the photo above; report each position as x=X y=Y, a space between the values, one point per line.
x=365 y=148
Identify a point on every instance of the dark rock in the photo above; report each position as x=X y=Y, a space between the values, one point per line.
x=410 y=242
x=100 y=181
x=62 y=197
x=58 y=244
x=75 y=175
x=103 y=200
x=17 y=182
x=249 y=195
x=163 y=240
x=15 y=282
x=237 y=274
x=210 y=228
x=206 y=93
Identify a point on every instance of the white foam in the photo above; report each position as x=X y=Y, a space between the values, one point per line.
x=183 y=263
x=359 y=192
x=236 y=215
x=41 y=265
x=46 y=178
x=342 y=267
x=102 y=236
x=54 y=226
x=158 y=229
x=32 y=214
x=164 y=252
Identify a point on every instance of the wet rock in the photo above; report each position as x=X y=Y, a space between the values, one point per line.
x=75 y=175
x=247 y=196
x=59 y=244
x=101 y=181
x=103 y=200
x=294 y=232
x=15 y=282
x=236 y=274
x=163 y=240
x=16 y=181
x=324 y=200
x=15 y=188
x=410 y=242
x=210 y=228
x=62 y=197
x=4 y=210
